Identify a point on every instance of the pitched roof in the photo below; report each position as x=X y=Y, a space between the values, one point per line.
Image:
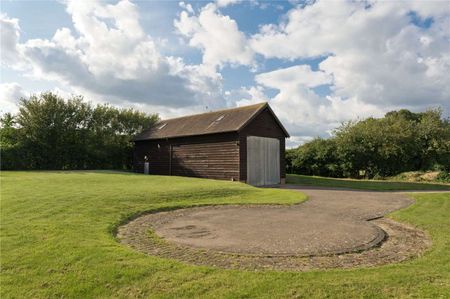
x=221 y=121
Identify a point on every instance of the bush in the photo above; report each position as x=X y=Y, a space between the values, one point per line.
x=317 y=157
x=443 y=176
x=399 y=142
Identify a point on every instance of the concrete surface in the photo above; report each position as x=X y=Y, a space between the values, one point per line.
x=330 y=222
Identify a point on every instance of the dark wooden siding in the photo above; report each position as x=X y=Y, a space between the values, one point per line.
x=213 y=156
x=219 y=160
x=216 y=156
x=158 y=153
x=263 y=125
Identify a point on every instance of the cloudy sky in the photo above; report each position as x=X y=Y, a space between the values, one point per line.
x=317 y=63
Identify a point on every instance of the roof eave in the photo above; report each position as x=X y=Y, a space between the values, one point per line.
x=182 y=136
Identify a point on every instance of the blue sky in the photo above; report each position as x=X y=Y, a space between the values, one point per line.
x=317 y=63
x=157 y=19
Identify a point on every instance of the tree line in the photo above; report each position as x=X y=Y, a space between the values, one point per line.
x=49 y=132
x=377 y=147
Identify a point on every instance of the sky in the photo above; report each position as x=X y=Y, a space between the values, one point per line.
x=317 y=63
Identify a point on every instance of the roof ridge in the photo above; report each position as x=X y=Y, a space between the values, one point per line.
x=235 y=120
x=216 y=111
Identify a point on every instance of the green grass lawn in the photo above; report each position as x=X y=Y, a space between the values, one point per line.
x=379 y=185
x=56 y=241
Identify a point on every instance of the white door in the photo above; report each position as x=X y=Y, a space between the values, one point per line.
x=263 y=161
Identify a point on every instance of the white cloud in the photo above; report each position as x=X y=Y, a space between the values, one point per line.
x=218 y=37
x=304 y=113
x=325 y=27
x=427 y=9
x=375 y=59
x=294 y=141
x=301 y=109
x=295 y=75
x=112 y=58
x=121 y=47
x=224 y=3
x=246 y=96
x=186 y=6
x=10 y=94
x=375 y=53
x=9 y=34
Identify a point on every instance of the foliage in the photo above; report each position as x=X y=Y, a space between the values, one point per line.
x=56 y=242
x=317 y=157
x=49 y=132
x=400 y=141
x=443 y=176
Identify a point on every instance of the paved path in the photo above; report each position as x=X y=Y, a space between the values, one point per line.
x=333 y=229
x=330 y=222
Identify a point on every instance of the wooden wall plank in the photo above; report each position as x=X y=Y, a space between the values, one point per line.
x=211 y=156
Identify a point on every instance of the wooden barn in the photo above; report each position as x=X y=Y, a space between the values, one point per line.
x=246 y=144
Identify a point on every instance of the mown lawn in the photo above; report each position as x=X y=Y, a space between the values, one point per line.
x=379 y=185
x=56 y=241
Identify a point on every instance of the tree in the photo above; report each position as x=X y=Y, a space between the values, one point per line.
x=400 y=141
x=50 y=132
x=376 y=146
x=11 y=150
x=317 y=157
x=433 y=141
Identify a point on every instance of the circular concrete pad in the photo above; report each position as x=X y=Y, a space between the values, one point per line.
x=265 y=230
x=333 y=229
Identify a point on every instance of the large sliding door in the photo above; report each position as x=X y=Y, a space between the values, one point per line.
x=263 y=161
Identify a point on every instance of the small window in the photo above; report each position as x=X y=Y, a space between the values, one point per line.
x=215 y=122
x=162 y=126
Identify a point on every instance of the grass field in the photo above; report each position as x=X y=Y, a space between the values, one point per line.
x=379 y=185
x=56 y=241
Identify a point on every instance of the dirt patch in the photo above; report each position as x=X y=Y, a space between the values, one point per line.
x=333 y=229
